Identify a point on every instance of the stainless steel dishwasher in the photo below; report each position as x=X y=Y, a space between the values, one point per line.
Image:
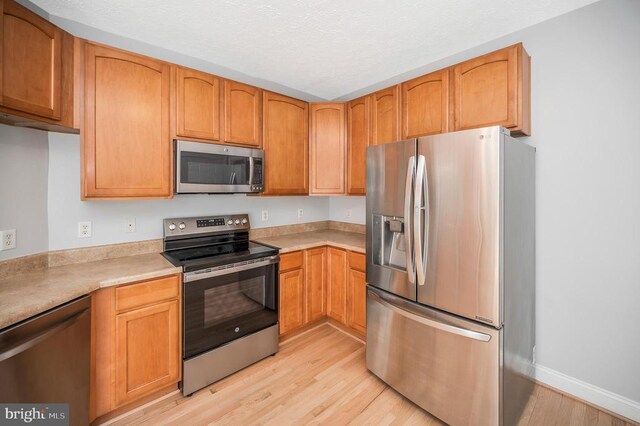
x=45 y=359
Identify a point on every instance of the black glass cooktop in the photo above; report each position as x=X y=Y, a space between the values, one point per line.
x=196 y=258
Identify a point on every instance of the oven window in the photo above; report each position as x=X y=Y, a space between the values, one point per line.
x=233 y=300
x=214 y=169
x=220 y=309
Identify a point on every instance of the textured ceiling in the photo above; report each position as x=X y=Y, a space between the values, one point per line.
x=326 y=48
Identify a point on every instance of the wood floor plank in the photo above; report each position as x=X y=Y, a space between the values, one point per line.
x=320 y=378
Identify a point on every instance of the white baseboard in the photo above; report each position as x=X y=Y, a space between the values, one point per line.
x=597 y=396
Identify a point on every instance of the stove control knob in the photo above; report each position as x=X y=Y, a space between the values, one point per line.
x=230 y=222
x=244 y=221
x=182 y=225
x=172 y=227
x=237 y=222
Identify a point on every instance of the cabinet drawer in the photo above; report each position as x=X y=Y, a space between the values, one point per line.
x=290 y=261
x=357 y=261
x=145 y=293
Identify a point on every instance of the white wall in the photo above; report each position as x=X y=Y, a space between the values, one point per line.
x=23 y=189
x=341 y=207
x=108 y=217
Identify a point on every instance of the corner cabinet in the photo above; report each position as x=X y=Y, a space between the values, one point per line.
x=197 y=104
x=358 y=128
x=36 y=70
x=337 y=288
x=136 y=341
x=315 y=267
x=327 y=148
x=425 y=105
x=126 y=143
x=242 y=114
x=494 y=90
x=286 y=145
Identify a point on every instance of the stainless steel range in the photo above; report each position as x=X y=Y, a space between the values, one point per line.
x=229 y=296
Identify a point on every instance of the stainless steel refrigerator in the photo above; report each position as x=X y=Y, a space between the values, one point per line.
x=450 y=273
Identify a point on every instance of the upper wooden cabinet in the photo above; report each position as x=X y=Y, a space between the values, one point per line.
x=385 y=115
x=327 y=149
x=286 y=145
x=242 y=114
x=197 y=104
x=126 y=144
x=494 y=89
x=315 y=268
x=425 y=105
x=358 y=127
x=36 y=69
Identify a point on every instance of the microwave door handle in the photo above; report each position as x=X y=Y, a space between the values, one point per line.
x=408 y=237
x=419 y=236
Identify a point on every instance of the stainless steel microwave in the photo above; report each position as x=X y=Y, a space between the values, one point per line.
x=217 y=169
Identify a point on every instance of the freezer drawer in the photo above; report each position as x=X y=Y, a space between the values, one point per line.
x=446 y=365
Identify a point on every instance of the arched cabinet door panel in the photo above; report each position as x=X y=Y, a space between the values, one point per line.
x=197 y=104
x=126 y=146
x=242 y=114
x=425 y=105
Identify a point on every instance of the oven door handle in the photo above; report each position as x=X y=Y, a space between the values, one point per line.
x=208 y=273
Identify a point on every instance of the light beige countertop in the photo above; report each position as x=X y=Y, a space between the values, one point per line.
x=304 y=240
x=27 y=294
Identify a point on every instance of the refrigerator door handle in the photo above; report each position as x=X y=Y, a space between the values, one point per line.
x=420 y=237
x=408 y=234
x=475 y=335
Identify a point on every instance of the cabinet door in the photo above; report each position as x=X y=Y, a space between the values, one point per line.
x=385 y=116
x=337 y=284
x=126 y=141
x=357 y=301
x=291 y=306
x=358 y=126
x=328 y=149
x=242 y=112
x=493 y=90
x=425 y=105
x=148 y=351
x=197 y=104
x=315 y=267
x=31 y=62
x=286 y=145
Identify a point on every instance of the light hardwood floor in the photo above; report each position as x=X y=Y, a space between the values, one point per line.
x=320 y=377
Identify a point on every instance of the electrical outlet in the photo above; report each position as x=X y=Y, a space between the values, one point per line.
x=265 y=215
x=8 y=239
x=533 y=355
x=349 y=212
x=84 y=229
x=130 y=225
x=300 y=213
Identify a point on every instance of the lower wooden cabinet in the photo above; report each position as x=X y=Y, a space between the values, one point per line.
x=357 y=293
x=319 y=282
x=136 y=342
x=315 y=266
x=291 y=312
x=337 y=288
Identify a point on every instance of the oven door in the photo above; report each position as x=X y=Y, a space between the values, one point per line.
x=221 y=306
x=210 y=168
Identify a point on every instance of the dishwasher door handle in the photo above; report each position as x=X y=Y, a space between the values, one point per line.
x=32 y=341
